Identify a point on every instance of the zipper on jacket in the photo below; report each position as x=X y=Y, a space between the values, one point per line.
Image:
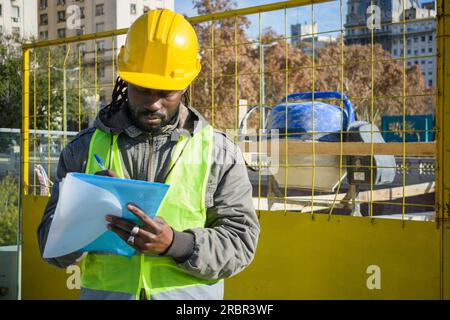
x=150 y=159
x=110 y=149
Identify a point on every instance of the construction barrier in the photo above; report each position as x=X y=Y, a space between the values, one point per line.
x=321 y=237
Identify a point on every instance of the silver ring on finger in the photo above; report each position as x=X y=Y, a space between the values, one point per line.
x=130 y=240
x=134 y=231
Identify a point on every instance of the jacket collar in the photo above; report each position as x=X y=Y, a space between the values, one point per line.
x=187 y=121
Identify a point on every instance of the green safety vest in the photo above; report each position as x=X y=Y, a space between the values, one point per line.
x=182 y=208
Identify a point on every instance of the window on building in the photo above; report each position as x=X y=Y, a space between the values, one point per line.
x=423 y=38
x=422 y=62
x=416 y=62
x=43 y=4
x=43 y=20
x=416 y=52
x=43 y=35
x=430 y=50
x=99 y=10
x=100 y=71
x=61 y=16
x=80 y=31
x=430 y=83
x=101 y=46
x=430 y=38
x=15 y=31
x=395 y=52
x=416 y=39
x=61 y=2
x=82 y=12
x=0 y=9
x=82 y=48
x=99 y=27
x=15 y=13
x=409 y=51
x=133 y=8
x=62 y=33
x=409 y=63
x=422 y=50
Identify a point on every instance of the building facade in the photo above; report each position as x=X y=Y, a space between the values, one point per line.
x=419 y=41
x=302 y=36
x=67 y=18
x=420 y=33
x=18 y=18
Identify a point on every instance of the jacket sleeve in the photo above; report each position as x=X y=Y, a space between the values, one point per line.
x=70 y=160
x=228 y=242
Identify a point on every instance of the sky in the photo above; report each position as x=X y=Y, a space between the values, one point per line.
x=326 y=15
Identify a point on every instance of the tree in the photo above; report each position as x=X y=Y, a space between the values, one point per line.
x=11 y=84
x=387 y=84
x=9 y=211
x=226 y=58
x=298 y=74
x=11 y=88
x=357 y=78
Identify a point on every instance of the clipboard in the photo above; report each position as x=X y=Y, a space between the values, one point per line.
x=84 y=200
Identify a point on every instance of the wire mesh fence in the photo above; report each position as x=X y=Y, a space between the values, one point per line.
x=336 y=115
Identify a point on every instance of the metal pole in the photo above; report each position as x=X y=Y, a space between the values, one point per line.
x=65 y=106
x=23 y=181
x=443 y=139
x=263 y=100
x=25 y=118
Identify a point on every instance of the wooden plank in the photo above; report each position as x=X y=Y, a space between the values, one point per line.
x=387 y=194
x=427 y=149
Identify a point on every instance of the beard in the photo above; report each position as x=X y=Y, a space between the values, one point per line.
x=140 y=119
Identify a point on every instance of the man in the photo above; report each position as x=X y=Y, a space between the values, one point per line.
x=206 y=228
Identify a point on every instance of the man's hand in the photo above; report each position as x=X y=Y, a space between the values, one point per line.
x=154 y=236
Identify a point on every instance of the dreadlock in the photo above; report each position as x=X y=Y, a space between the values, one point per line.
x=120 y=96
x=185 y=99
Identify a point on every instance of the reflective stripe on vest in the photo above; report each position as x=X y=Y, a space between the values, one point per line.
x=182 y=208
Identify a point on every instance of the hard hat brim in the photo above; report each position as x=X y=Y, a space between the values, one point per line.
x=157 y=82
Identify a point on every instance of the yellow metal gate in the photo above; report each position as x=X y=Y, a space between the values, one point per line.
x=315 y=254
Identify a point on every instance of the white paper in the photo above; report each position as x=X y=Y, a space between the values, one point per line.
x=79 y=216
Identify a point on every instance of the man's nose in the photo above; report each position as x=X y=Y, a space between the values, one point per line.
x=153 y=103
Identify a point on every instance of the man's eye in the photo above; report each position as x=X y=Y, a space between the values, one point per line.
x=168 y=94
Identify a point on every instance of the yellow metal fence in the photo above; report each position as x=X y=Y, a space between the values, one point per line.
x=329 y=252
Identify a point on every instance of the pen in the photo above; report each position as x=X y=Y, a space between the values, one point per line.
x=100 y=162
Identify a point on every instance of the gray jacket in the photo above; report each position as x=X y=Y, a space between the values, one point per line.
x=228 y=242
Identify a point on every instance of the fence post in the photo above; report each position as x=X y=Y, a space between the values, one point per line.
x=25 y=119
x=443 y=138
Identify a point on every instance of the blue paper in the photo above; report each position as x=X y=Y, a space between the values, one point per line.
x=146 y=195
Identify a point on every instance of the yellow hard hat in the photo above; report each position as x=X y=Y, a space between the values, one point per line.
x=160 y=52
